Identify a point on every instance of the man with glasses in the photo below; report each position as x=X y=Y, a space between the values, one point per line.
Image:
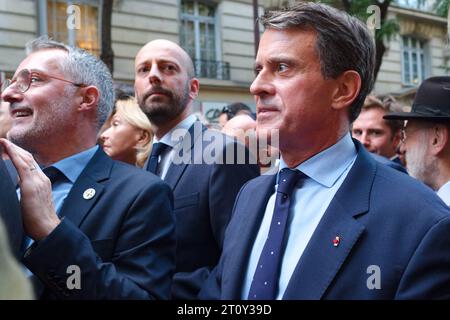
x=425 y=139
x=105 y=230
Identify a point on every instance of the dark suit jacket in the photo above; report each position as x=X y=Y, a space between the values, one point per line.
x=122 y=239
x=10 y=210
x=384 y=219
x=204 y=195
x=390 y=163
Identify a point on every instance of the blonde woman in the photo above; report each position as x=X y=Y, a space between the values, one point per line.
x=128 y=135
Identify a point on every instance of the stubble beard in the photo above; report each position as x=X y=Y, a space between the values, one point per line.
x=161 y=112
x=418 y=164
x=51 y=123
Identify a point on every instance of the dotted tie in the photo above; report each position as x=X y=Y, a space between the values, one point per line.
x=265 y=280
x=157 y=149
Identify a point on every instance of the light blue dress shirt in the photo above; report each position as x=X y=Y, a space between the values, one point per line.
x=444 y=193
x=326 y=171
x=71 y=167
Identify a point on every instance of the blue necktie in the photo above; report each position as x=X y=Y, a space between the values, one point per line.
x=157 y=149
x=265 y=280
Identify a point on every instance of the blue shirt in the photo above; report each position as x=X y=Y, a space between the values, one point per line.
x=326 y=171
x=71 y=167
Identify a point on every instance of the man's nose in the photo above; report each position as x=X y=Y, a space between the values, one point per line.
x=365 y=140
x=11 y=94
x=261 y=85
x=155 y=75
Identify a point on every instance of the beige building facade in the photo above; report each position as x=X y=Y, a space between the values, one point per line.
x=219 y=36
x=420 y=50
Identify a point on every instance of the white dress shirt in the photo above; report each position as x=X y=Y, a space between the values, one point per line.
x=165 y=159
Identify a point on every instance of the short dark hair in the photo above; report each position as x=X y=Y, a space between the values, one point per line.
x=233 y=109
x=343 y=42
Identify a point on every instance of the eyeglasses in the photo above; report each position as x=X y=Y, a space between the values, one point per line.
x=26 y=77
x=421 y=127
x=403 y=135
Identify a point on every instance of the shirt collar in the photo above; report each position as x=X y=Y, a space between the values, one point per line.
x=444 y=193
x=328 y=165
x=184 y=125
x=72 y=166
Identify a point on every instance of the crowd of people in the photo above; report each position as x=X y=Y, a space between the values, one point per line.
x=149 y=202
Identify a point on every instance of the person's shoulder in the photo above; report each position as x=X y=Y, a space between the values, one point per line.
x=257 y=182
x=395 y=165
x=134 y=176
x=406 y=194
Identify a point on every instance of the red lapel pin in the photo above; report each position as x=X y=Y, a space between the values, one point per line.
x=336 y=241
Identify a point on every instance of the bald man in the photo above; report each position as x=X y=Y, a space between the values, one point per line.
x=200 y=165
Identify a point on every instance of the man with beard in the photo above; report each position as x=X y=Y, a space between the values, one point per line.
x=99 y=229
x=426 y=136
x=203 y=167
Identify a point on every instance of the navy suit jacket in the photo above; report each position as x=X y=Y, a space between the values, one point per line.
x=122 y=239
x=10 y=210
x=390 y=163
x=204 y=195
x=390 y=226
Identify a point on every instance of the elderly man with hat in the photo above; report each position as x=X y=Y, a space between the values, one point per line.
x=426 y=135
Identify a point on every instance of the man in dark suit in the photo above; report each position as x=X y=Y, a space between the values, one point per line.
x=105 y=230
x=333 y=223
x=204 y=168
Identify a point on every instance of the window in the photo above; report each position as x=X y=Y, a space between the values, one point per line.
x=413 y=61
x=87 y=36
x=198 y=38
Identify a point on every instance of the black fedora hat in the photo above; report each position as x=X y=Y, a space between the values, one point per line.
x=432 y=102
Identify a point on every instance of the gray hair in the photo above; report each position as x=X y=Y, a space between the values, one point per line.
x=82 y=67
x=343 y=42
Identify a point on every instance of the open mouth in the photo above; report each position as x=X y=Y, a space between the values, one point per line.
x=21 y=113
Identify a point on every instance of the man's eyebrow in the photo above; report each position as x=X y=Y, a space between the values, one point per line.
x=158 y=61
x=279 y=59
x=283 y=59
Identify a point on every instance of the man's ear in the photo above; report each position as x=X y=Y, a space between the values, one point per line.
x=396 y=138
x=439 y=138
x=194 y=86
x=90 y=97
x=348 y=87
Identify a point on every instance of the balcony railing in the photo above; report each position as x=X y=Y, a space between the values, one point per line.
x=212 y=69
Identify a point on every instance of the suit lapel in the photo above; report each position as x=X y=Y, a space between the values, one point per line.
x=77 y=205
x=192 y=137
x=321 y=261
x=252 y=212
